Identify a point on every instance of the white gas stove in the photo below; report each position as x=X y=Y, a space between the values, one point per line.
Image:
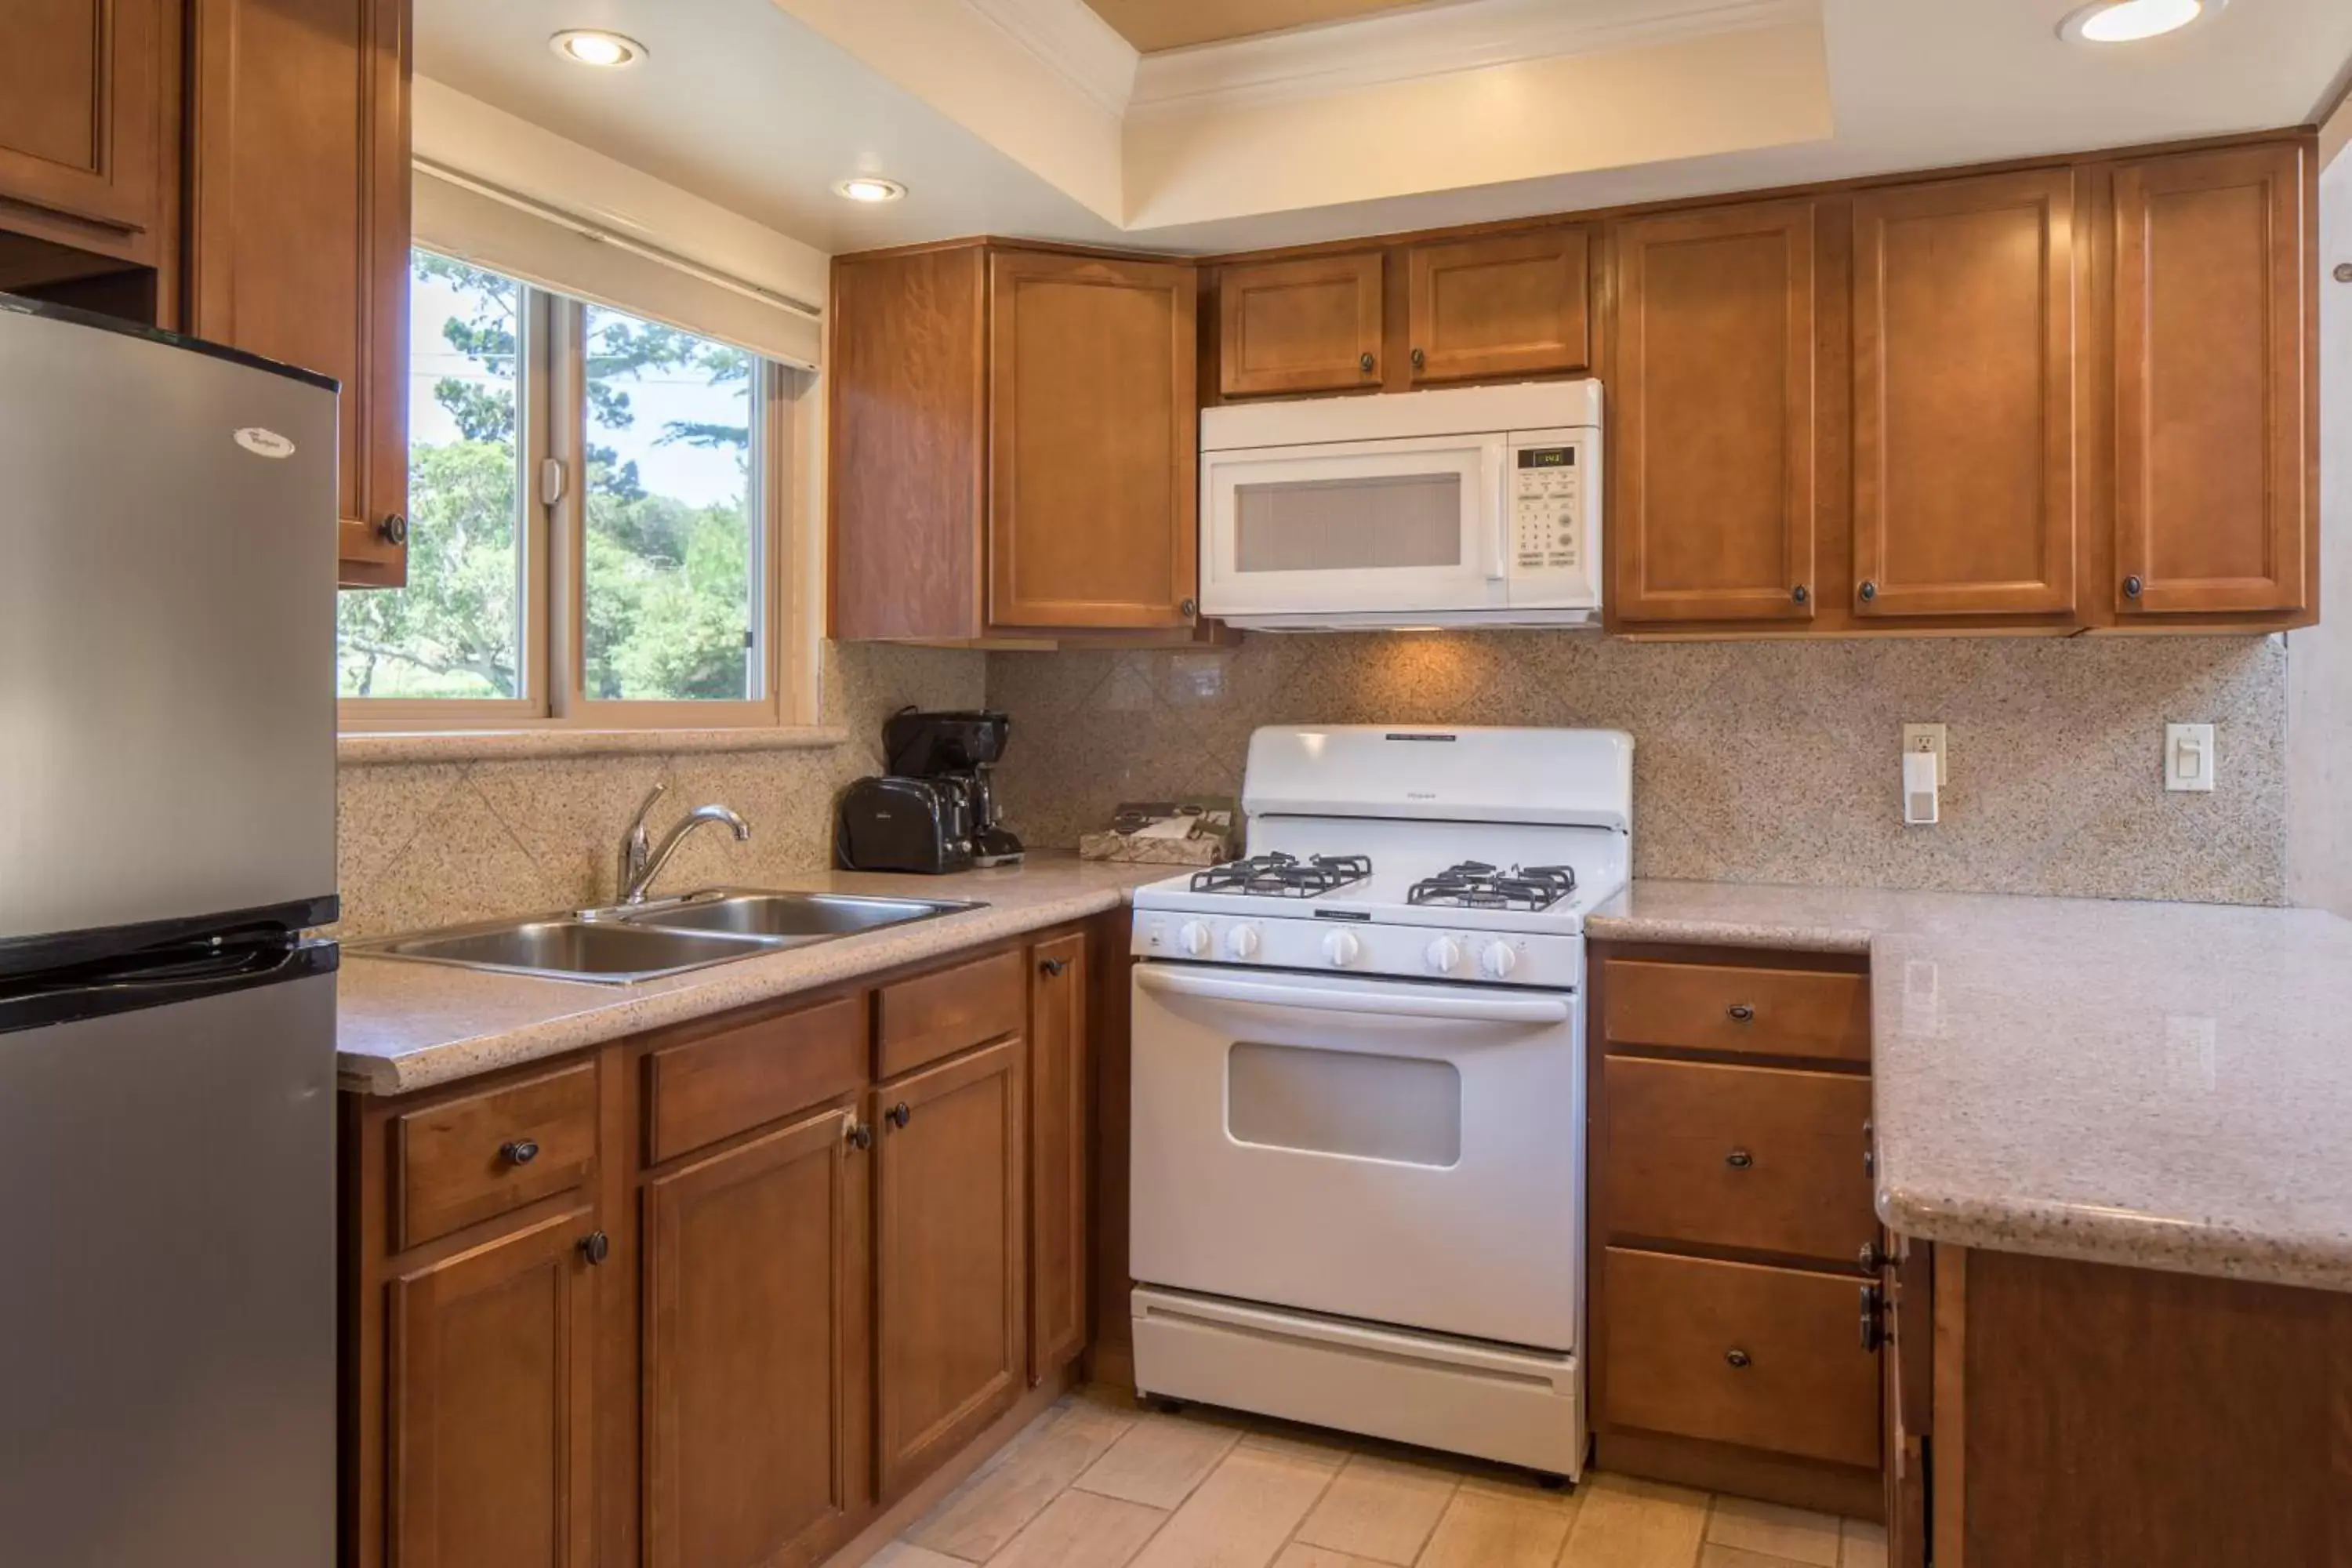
x=1359 y=1089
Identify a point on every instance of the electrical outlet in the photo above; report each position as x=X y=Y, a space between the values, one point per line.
x=1929 y=737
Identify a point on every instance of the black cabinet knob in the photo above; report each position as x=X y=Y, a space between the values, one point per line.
x=1799 y=592
x=1870 y=1258
x=1739 y=1159
x=520 y=1152
x=2132 y=586
x=1869 y=590
x=1364 y=363
x=393 y=528
x=1187 y=610
x=1740 y=1013
x=1869 y=1150
x=899 y=1114
x=1419 y=359
x=595 y=1246
x=860 y=1135
x=1738 y=1358
x=1052 y=967
x=1874 y=1327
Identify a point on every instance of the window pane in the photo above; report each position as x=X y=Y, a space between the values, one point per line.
x=672 y=517
x=454 y=632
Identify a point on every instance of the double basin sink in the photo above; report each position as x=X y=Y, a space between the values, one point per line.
x=629 y=943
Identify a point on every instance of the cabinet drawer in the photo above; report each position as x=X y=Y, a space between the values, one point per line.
x=468 y=1159
x=937 y=1015
x=1733 y=1352
x=1723 y=1007
x=701 y=1090
x=1737 y=1156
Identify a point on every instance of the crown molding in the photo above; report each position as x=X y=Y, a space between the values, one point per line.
x=1401 y=46
x=1069 y=37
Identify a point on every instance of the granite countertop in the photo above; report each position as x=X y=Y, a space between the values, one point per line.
x=2163 y=1086
x=403 y=1025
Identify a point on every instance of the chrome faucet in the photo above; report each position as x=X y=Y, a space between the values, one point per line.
x=642 y=861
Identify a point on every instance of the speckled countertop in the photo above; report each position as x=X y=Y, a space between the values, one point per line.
x=2160 y=1085
x=402 y=1026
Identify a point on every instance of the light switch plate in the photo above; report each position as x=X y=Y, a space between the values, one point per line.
x=1929 y=737
x=2188 y=758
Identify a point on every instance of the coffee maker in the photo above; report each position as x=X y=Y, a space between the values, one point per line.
x=936 y=811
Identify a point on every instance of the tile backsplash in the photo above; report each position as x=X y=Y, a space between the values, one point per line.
x=1755 y=761
x=440 y=843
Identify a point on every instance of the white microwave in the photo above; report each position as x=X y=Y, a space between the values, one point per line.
x=1472 y=507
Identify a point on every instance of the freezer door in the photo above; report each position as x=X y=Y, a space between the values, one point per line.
x=167 y=1303
x=167 y=632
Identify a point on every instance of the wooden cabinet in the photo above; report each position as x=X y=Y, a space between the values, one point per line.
x=747 y=1390
x=949 y=1222
x=1500 y=305
x=1965 y=429
x=1309 y=325
x=2215 y=472
x=1014 y=436
x=1907 y=1397
x=89 y=125
x=1731 y=1239
x=298 y=225
x=1712 y=417
x=1059 y=1086
x=488 y=1410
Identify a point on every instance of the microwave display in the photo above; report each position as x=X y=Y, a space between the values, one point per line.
x=1547 y=457
x=1548 y=509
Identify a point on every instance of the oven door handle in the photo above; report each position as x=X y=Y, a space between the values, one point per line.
x=1323 y=999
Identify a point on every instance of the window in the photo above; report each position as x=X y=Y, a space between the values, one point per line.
x=597 y=511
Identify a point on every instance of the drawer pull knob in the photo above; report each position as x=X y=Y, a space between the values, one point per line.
x=595 y=1246
x=899 y=1114
x=1739 y=1159
x=860 y=1135
x=1874 y=1327
x=520 y=1152
x=1871 y=1258
x=1364 y=362
x=1738 y=1358
x=1053 y=967
x=1741 y=1013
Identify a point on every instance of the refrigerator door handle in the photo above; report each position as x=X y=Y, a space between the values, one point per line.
x=162 y=980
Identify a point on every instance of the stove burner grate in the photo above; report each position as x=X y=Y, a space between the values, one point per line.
x=1475 y=885
x=1283 y=876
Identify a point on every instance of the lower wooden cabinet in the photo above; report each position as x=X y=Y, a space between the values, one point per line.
x=1060 y=1085
x=489 y=1415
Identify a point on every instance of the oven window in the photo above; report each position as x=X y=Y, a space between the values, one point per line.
x=1348 y=525
x=1406 y=1110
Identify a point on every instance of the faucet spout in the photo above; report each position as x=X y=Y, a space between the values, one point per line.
x=632 y=890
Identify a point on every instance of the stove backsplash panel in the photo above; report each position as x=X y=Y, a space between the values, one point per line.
x=1756 y=762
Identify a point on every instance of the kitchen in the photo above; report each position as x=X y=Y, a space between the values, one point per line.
x=1363 y=453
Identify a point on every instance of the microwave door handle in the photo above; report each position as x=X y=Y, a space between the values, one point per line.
x=1498 y=509
x=1325 y=999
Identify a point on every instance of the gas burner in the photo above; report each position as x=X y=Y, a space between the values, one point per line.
x=1475 y=885
x=1283 y=876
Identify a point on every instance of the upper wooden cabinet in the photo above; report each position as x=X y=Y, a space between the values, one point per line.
x=1712 y=417
x=1964 y=411
x=297 y=229
x=1014 y=442
x=90 y=124
x=1504 y=305
x=1311 y=325
x=2215 y=467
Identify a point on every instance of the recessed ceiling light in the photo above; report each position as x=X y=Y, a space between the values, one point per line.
x=595 y=46
x=869 y=188
x=2126 y=21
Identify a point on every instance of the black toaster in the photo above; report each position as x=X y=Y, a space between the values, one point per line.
x=893 y=824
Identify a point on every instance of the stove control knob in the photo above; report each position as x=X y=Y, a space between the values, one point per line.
x=1443 y=955
x=1341 y=948
x=1194 y=938
x=1241 y=942
x=1498 y=961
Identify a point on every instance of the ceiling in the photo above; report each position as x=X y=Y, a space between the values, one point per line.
x=1153 y=25
x=1036 y=118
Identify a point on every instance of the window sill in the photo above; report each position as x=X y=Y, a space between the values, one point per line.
x=366 y=750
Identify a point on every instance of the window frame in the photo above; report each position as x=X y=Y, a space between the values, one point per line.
x=551 y=426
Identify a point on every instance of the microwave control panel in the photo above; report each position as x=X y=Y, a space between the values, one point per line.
x=1548 y=490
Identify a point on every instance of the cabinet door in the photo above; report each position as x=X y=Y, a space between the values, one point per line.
x=2213 y=482
x=1904 y=1364
x=1514 y=304
x=1092 y=439
x=1311 y=325
x=949 y=1218
x=489 y=1409
x=746 y=1409
x=1058 y=1079
x=1963 y=424
x=1714 y=441
x=85 y=121
x=298 y=227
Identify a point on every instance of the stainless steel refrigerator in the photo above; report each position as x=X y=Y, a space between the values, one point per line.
x=167 y=1037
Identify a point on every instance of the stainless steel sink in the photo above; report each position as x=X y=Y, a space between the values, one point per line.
x=793 y=919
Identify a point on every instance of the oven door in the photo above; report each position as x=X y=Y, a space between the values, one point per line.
x=1408 y=1154
x=1354 y=527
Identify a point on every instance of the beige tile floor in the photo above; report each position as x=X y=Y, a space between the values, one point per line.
x=1095 y=1482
